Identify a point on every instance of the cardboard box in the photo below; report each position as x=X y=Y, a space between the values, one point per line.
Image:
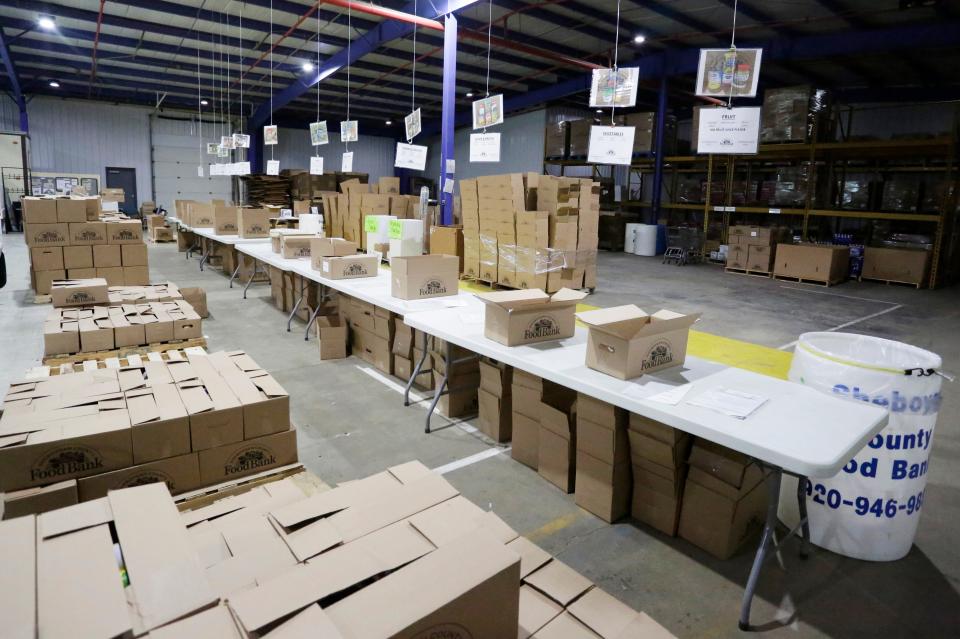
x=225 y=220
x=216 y=415
x=180 y=474
x=71 y=210
x=496 y=377
x=424 y=276
x=87 y=233
x=77 y=257
x=113 y=275
x=34 y=501
x=43 y=280
x=625 y=342
x=266 y=405
x=197 y=298
x=253 y=223
x=717 y=518
x=294 y=246
x=332 y=337
x=48 y=258
x=37 y=235
x=164 y=234
x=79 y=292
x=349 y=267
x=159 y=423
x=81 y=273
x=558 y=441
x=242 y=458
x=909 y=266
x=496 y=416
x=133 y=255
x=39 y=210
x=124 y=232
x=107 y=255
x=513 y=318
x=825 y=263
x=759 y=257
x=447 y=240
x=602 y=488
x=403 y=368
x=330 y=247
x=655 y=508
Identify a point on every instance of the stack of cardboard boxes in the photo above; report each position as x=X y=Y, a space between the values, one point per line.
x=463 y=379
x=658 y=454
x=526 y=391
x=157 y=229
x=825 y=263
x=189 y=423
x=603 y=459
x=407 y=351
x=260 y=561
x=752 y=248
x=68 y=239
x=495 y=398
x=345 y=212
x=557 y=459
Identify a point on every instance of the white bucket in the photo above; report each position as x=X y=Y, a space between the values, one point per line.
x=870 y=509
x=630 y=237
x=645 y=242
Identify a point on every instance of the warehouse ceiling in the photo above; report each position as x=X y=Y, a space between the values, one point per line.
x=142 y=51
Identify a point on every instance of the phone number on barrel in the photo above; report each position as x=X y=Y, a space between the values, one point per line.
x=864 y=506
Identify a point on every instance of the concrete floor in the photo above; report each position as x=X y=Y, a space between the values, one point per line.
x=351 y=425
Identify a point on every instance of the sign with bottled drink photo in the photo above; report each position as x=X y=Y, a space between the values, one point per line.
x=725 y=73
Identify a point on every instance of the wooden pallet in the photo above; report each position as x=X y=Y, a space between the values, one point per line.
x=309 y=483
x=804 y=280
x=50 y=370
x=888 y=282
x=159 y=347
x=170 y=241
x=743 y=271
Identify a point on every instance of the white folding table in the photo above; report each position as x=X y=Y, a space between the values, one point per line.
x=798 y=430
x=228 y=240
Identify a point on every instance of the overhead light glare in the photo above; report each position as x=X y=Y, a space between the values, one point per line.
x=204 y=103
x=469 y=94
x=47 y=23
x=389 y=122
x=54 y=84
x=639 y=38
x=307 y=66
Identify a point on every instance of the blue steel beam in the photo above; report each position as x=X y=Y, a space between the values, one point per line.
x=447 y=129
x=11 y=70
x=384 y=32
x=658 y=147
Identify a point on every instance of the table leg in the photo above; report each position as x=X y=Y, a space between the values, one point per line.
x=415 y=373
x=441 y=387
x=321 y=297
x=206 y=254
x=804 y=521
x=253 y=275
x=296 y=306
x=237 y=270
x=766 y=541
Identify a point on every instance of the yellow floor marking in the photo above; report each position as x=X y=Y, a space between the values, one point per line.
x=555 y=526
x=723 y=350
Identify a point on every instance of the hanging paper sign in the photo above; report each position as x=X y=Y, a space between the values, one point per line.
x=488 y=112
x=316 y=165
x=226 y=141
x=241 y=141
x=448 y=185
x=348 y=131
x=244 y=168
x=318 y=133
x=451 y=165
x=395 y=229
x=237 y=168
x=611 y=144
x=729 y=130
x=411 y=156
x=215 y=170
x=729 y=72
x=270 y=135
x=286 y=212
x=346 y=163
x=222 y=151
x=273 y=167
x=199 y=171
x=213 y=148
x=610 y=88
x=412 y=124
x=484 y=147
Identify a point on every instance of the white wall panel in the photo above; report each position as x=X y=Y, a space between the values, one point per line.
x=9 y=114
x=371 y=154
x=177 y=152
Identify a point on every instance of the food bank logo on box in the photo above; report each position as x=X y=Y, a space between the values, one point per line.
x=541 y=327
x=256 y=228
x=48 y=237
x=249 y=459
x=124 y=235
x=229 y=226
x=433 y=287
x=355 y=270
x=66 y=461
x=149 y=477
x=79 y=297
x=302 y=252
x=445 y=631
x=658 y=355
x=87 y=236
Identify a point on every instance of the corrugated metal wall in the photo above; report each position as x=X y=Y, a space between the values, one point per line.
x=84 y=137
x=371 y=154
x=177 y=152
x=9 y=114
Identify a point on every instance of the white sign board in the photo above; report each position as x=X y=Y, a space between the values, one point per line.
x=215 y=170
x=729 y=130
x=411 y=156
x=412 y=124
x=244 y=168
x=611 y=144
x=316 y=165
x=348 y=131
x=270 y=134
x=488 y=112
x=725 y=73
x=346 y=164
x=484 y=147
x=609 y=88
x=318 y=133
x=273 y=167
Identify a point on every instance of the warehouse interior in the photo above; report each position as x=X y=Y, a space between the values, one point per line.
x=261 y=466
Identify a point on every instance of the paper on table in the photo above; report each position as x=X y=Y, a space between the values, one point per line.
x=432 y=303
x=672 y=396
x=471 y=318
x=735 y=403
x=645 y=387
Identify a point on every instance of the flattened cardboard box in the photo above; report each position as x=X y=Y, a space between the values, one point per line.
x=349 y=267
x=625 y=342
x=79 y=292
x=248 y=457
x=424 y=276
x=514 y=318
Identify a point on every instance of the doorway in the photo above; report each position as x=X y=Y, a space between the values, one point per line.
x=126 y=179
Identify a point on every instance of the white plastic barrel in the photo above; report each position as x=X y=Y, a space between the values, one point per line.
x=629 y=237
x=645 y=242
x=870 y=509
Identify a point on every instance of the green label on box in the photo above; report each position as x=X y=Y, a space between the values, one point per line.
x=396 y=230
x=370 y=224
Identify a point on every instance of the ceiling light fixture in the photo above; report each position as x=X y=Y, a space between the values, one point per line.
x=54 y=84
x=307 y=66
x=389 y=122
x=639 y=38
x=204 y=103
x=599 y=110
x=47 y=23
x=469 y=94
